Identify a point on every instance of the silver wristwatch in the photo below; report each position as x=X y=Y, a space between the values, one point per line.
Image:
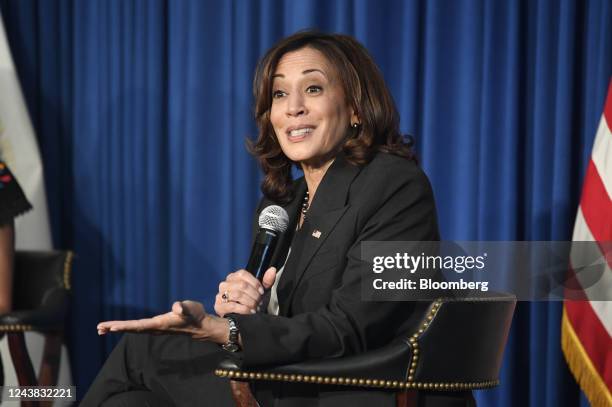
x=232 y=345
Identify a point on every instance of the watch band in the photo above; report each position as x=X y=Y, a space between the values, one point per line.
x=232 y=345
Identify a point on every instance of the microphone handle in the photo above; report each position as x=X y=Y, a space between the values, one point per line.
x=261 y=253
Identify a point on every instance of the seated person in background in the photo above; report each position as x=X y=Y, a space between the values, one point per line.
x=12 y=203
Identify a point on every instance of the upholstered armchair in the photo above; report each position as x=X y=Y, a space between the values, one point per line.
x=40 y=303
x=458 y=346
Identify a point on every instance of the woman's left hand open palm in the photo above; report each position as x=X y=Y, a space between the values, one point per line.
x=186 y=318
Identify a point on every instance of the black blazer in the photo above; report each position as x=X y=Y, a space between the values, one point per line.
x=321 y=311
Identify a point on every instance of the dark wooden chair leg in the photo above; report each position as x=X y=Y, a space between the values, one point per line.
x=49 y=365
x=21 y=359
x=241 y=392
x=243 y=397
x=1 y=366
x=31 y=404
x=23 y=363
x=406 y=398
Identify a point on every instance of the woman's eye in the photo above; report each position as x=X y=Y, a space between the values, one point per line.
x=278 y=94
x=314 y=89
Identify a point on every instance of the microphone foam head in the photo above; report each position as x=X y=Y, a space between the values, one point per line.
x=274 y=218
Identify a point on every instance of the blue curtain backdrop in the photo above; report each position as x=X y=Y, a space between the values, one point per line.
x=142 y=108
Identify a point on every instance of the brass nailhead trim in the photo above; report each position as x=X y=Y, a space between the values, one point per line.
x=354 y=381
x=15 y=328
x=414 y=340
x=68 y=269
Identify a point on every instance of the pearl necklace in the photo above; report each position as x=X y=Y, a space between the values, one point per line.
x=305 y=205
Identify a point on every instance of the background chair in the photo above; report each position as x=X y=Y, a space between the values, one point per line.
x=458 y=346
x=40 y=302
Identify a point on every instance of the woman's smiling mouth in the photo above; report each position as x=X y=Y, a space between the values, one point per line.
x=299 y=133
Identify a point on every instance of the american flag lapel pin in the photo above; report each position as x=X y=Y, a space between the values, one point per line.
x=316 y=233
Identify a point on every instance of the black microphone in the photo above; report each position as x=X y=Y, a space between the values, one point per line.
x=273 y=221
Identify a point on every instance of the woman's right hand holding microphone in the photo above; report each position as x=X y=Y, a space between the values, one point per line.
x=241 y=292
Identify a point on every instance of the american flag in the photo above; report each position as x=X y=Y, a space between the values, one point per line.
x=586 y=330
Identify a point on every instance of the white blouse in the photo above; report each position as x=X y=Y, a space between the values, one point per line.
x=273 y=304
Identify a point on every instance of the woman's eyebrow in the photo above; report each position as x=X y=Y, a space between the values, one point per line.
x=305 y=72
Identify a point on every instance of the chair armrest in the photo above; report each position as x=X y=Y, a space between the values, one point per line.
x=390 y=362
x=47 y=317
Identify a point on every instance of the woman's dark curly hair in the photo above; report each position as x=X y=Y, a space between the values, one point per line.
x=367 y=94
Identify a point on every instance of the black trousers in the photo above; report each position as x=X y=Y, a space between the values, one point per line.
x=173 y=370
x=160 y=370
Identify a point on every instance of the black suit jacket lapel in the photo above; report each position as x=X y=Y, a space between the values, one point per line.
x=293 y=209
x=327 y=208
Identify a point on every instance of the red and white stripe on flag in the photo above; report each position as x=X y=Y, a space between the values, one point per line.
x=586 y=329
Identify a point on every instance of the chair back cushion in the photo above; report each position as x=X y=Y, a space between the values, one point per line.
x=465 y=340
x=40 y=276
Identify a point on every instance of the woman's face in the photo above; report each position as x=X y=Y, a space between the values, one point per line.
x=309 y=111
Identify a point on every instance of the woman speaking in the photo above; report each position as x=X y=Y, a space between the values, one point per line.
x=320 y=104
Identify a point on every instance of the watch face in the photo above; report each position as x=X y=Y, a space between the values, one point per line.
x=232 y=344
